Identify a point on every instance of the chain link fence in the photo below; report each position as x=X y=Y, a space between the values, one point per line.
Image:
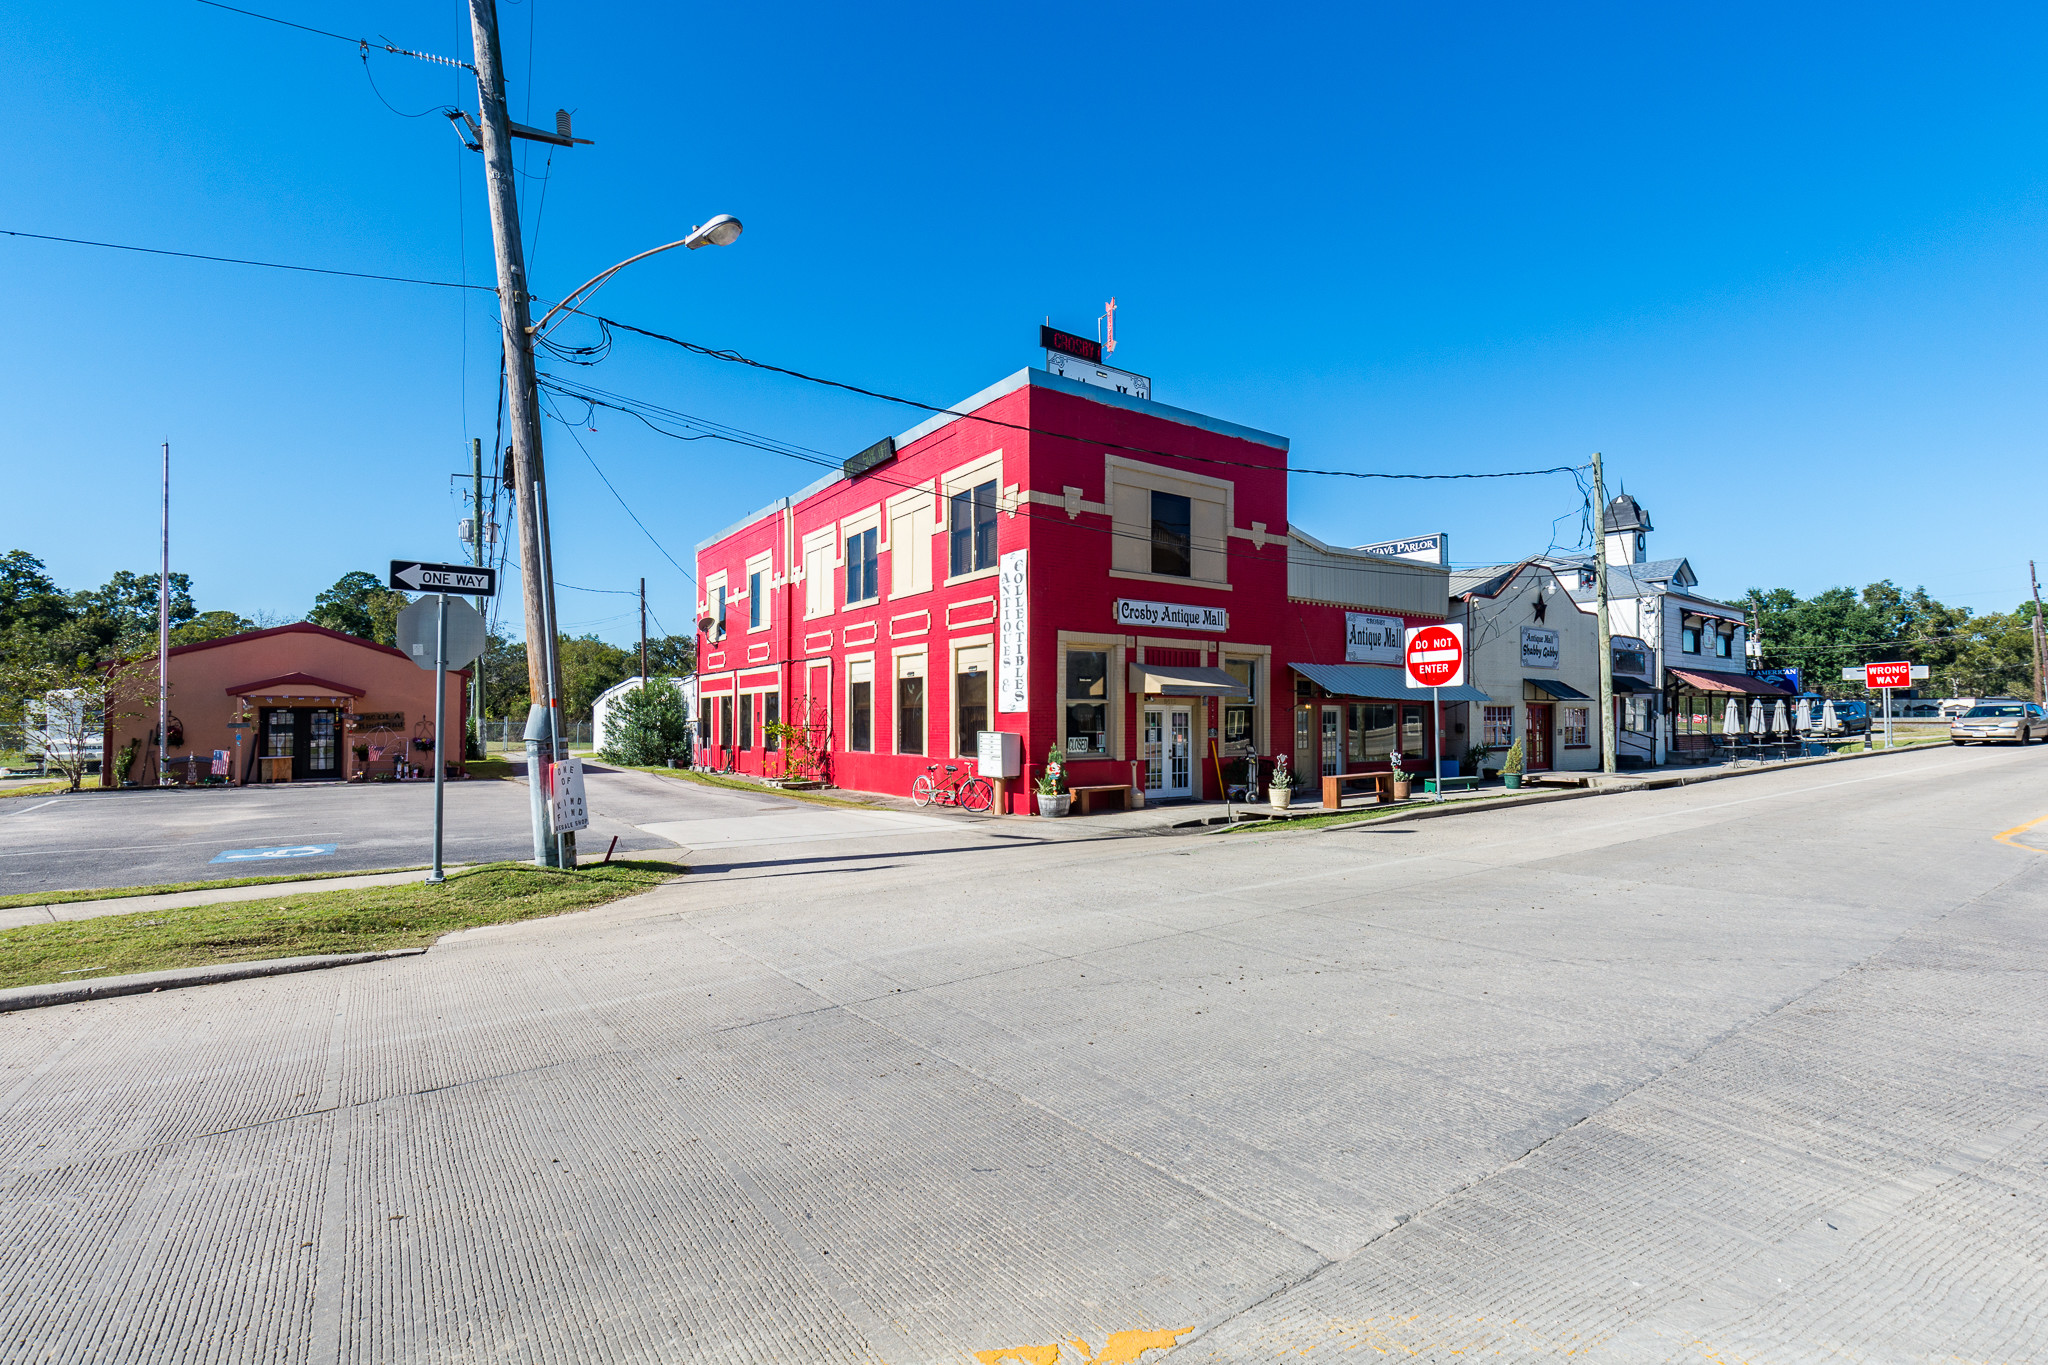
x=501 y=733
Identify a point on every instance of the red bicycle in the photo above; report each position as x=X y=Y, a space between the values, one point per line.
x=968 y=793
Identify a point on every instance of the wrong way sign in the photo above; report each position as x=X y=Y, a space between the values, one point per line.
x=470 y=580
x=1435 y=656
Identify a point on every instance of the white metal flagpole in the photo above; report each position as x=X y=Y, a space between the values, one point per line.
x=1436 y=750
x=163 y=637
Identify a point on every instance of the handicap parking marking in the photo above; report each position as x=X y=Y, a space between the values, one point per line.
x=260 y=855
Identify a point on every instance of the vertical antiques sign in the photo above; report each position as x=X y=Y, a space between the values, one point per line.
x=1370 y=639
x=1012 y=691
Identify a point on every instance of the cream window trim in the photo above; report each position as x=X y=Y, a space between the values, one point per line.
x=918 y=656
x=819 y=548
x=978 y=471
x=860 y=668
x=1069 y=499
x=1262 y=703
x=910 y=552
x=764 y=565
x=1113 y=645
x=1204 y=584
x=974 y=577
x=1128 y=486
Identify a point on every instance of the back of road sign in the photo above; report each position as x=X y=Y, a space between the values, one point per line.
x=567 y=807
x=418 y=623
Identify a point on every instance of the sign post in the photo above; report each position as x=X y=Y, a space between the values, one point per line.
x=1435 y=658
x=1882 y=679
x=458 y=635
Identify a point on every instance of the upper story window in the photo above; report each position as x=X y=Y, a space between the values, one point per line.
x=862 y=583
x=1689 y=639
x=818 y=575
x=718 y=609
x=755 y=601
x=1172 y=534
x=1724 y=644
x=971 y=521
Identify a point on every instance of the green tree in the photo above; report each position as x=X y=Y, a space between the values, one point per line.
x=589 y=666
x=28 y=597
x=669 y=656
x=647 y=727
x=360 y=605
x=210 y=625
x=504 y=665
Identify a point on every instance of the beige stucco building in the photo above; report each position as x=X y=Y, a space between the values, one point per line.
x=1536 y=655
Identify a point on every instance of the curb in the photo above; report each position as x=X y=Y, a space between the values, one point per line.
x=143 y=983
x=1616 y=788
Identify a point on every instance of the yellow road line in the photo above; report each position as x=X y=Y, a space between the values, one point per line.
x=2008 y=838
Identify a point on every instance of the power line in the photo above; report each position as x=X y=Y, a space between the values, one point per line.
x=718 y=431
x=734 y=357
x=622 y=501
x=237 y=260
x=362 y=43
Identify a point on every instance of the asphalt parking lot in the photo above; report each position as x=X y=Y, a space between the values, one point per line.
x=141 y=838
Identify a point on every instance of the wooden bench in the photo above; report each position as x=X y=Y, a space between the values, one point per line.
x=1084 y=797
x=1437 y=784
x=1335 y=783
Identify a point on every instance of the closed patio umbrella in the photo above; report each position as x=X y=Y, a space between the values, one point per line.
x=1756 y=716
x=1731 y=719
x=1805 y=714
x=1780 y=723
x=1829 y=722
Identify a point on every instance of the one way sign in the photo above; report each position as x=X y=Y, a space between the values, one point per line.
x=466 y=580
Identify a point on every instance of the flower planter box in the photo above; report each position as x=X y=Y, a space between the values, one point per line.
x=1054 y=806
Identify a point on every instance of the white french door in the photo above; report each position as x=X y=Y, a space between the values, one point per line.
x=1168 y=750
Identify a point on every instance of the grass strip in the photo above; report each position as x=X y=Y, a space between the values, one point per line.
x=741 y=785
x=489 y=769
x=39 y=789
x=352 y=920
x=110 y=893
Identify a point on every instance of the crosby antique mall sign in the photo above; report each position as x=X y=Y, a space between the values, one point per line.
x=1171 y=616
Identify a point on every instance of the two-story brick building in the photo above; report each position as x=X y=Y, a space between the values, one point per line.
x=1109 y=577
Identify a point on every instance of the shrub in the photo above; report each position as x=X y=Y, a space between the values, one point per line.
x=647 y=727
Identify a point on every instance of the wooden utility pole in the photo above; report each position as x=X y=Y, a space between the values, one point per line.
x=1606 y=631
x=523 y=407
x=643 y=633
x=2040 y=641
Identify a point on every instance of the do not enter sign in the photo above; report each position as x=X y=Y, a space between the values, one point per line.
x=1436 y=656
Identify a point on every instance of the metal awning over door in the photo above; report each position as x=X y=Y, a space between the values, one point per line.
x=1377 y=683
x=1176 y=680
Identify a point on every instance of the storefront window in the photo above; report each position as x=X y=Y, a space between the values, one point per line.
x=771 y=715
x=1370 y=732
x=1240 y=710
x=1172 y=535
x=910 y=705
x=1087 y=701
x=1411 y=732
x=1499 y=732
x=1576 y=726
x=970 y=699
x=746 y=722
x=725 y=722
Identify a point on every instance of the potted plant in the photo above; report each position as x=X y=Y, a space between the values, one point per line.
x=1399 y=780
x=1511 y=767
x=362 y=753
x=1280 y=792
x=1475 y=759
x=1051 y=785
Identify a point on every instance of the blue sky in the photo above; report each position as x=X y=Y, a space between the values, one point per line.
x=1783 y=265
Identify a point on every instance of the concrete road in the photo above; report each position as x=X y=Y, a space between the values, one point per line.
x=1755 y=1070
x=143 y=838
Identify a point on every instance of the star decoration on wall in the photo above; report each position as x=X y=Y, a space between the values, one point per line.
x=1541 y=607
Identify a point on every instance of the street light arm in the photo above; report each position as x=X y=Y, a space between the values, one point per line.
x=596 y=282
x=722 y=230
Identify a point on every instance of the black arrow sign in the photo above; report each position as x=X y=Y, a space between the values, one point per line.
x=466 y=580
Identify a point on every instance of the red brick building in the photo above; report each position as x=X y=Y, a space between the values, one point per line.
x=1098 y=573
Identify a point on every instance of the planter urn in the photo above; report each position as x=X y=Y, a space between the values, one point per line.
x=1512 y=781
x=1399 y=790
x=1053 y=805
x=1282 y=798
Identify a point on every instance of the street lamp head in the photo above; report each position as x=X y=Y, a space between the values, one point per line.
x=723 y=230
